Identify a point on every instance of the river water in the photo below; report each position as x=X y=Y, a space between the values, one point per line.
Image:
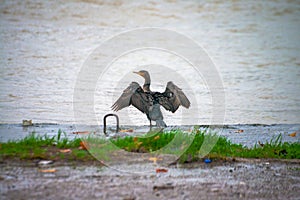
x=254 y=45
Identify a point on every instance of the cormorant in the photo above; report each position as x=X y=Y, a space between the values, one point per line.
x=149 y=102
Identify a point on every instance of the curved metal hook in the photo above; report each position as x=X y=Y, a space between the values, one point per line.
x=104 y=122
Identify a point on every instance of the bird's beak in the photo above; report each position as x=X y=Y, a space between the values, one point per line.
x=137 y=73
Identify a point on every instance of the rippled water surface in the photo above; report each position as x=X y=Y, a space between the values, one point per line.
x=255 y=46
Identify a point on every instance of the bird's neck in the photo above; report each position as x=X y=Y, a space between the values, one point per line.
x=146 y=86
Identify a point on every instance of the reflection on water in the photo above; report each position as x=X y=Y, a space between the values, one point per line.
x=255 y=46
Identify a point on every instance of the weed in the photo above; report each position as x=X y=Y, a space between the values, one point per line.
x=187 y=145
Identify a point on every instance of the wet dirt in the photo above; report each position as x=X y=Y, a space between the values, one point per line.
x=231 y=179
x=135 y=176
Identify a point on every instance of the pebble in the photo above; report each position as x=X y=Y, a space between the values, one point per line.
x=45 y=162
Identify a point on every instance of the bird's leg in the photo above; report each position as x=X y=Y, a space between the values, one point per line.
x=150 y=124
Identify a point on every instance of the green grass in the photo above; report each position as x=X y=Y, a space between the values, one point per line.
x=42 y=147
x=187 y=145
x=223 y=148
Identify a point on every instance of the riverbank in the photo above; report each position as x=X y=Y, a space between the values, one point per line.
x=65 y=169
x=244 y=134
x=184 y=145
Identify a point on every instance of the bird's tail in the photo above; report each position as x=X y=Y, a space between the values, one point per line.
x=161 y=123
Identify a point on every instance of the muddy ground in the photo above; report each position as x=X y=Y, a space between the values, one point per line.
x=134 y=176
x=231 y=179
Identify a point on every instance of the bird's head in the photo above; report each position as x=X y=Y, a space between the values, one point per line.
x=142 y=73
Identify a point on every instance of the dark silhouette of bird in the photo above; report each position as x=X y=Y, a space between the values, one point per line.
x=149 y=102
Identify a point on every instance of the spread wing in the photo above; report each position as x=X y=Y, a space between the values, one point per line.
x=133 y=95
x=173 y=97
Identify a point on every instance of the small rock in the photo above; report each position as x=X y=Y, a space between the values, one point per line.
x=27 y=123
x=215 y=189
x=242 y=183
x=163 y=187
x=45 y=162
x=267 y=165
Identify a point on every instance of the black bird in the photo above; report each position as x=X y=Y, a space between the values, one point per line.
x=149 y=102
